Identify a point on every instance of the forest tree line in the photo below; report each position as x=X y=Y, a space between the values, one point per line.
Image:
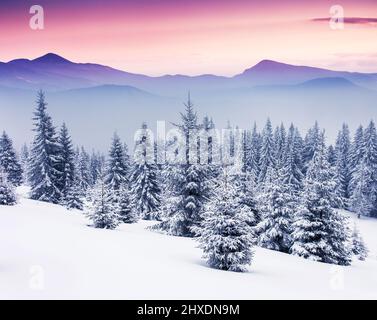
x=281 y=191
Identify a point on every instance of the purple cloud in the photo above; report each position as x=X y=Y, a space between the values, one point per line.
x=350 y=20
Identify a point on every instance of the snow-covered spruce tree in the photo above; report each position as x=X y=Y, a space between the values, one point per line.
x=280 y=140
x=364 y=179
x=331 y=156
x=170 y=178
x=320 y=233
x=208 y=123
x=359 y=248
x=194 y=194
x=277 y=205
x=224 y=236
x=74 y=196
x=299 y=142
x=338 y=201
x=248 y=202
x=342 y=169
x=291 y=169
x=360 y=201
x=7 y=194
x=82 y=169
x=188 y=180
x=242 y=179
x=96 y=167
x=161 y=179
x=248 y=187
x=9 y=160
x=356 y=155
x=163 y=182
x=169 y=202
x=230 y=129
x=126 y=211
x=116 y=167
x=24 y=161
x=144 y=183
x=311 y=141
x=127 y=160
x=65 y=162
x=44 y=174
x=253 y=155
x=211 y=145
x=267 y=158
x=356 y=149
x=102 y=211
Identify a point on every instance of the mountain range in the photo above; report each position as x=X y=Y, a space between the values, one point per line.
x=88 y=95
x=54 y=73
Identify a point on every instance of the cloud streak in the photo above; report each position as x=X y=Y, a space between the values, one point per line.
x=351 y=20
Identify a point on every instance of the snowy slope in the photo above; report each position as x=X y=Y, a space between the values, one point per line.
x=49 y=252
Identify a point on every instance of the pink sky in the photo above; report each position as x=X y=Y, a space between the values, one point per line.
x=192 y=37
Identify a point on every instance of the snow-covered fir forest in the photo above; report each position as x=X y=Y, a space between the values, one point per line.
x=276 y=188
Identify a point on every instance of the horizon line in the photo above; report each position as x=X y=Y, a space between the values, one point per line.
x=182 y=74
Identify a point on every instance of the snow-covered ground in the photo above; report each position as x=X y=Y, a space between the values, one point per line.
x=49 y=252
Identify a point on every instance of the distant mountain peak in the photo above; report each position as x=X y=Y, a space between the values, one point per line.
x=279 y=72
x=267 y=62
x=269 y=66
x=19 y=61
x=51 y=58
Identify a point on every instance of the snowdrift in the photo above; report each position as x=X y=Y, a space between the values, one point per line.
x=47 y=252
